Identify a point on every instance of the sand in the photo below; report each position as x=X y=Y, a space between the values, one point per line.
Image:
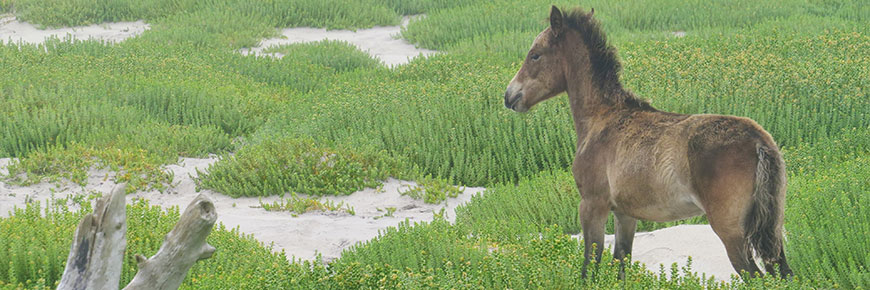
x=382 y=42
x=12 y=30
x=676 y=245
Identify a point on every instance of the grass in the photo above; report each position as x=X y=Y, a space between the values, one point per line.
x=509 y=211
x=414 y=256
x=326 y=119
x=828 y=224
x=74 y=163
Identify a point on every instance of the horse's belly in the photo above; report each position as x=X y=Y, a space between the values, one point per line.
x=666 y=212
x=660 y=205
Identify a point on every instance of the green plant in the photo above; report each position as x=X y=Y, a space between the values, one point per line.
x=388 y=212
x=432 y=190
x=300 y=205
x=135 y=167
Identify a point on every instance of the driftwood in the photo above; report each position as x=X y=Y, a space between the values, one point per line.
x=97 y=252
x=181 y=248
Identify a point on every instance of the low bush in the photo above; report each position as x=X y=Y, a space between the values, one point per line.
x=276 y=167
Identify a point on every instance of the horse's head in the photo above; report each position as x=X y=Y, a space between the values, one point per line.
x=542 y=75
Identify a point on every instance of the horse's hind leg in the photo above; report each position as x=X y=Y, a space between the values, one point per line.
x=725 y=179
x=593 y=218
x=784 y=269
x=625 y=227
x=726 y=220
x=737 y=247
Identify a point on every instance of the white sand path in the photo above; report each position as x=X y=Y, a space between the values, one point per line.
x=15 y=31
x=382 y=42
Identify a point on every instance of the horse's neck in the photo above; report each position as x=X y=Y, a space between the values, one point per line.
x=586 y=99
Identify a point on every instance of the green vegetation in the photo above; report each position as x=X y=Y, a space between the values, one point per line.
x=829 y=225
x=388 y=212
x=326 y=119
x=826 y=218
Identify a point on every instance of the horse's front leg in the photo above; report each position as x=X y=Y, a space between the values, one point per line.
x=593 y=217
x=624 y=226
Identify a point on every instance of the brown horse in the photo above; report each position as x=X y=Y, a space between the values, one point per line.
x=642 y=163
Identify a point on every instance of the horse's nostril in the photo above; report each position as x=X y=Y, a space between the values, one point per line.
x=507 y=102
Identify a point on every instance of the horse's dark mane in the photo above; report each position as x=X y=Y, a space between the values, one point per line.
x=603 y=58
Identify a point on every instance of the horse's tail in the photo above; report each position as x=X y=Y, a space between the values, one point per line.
x=764 y=221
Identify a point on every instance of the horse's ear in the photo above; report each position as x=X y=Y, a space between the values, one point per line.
x=556 y=21
x=591 y=11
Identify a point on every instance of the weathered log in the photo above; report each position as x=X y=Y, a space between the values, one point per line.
x=181 y=248
x=97 y=251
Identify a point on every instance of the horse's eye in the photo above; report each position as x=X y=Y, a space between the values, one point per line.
x=536 y=56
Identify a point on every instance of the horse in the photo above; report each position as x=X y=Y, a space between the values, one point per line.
x=642 y=163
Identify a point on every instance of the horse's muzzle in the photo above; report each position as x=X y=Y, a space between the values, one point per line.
x=511 y=100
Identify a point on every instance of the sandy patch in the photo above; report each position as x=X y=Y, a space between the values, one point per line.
x=12 y=30
x=382 y=42
x=676 y=245
x=328 y=233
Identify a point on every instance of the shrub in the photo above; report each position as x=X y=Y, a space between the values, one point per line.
x=275 y=167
